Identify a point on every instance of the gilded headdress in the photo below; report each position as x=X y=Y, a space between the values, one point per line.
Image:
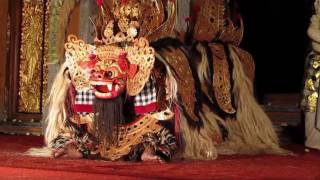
x=121 y=50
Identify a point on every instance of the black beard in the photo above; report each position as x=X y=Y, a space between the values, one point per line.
x=108 y=117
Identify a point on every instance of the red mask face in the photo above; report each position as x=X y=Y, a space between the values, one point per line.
x=109 y=77
x=108 y=83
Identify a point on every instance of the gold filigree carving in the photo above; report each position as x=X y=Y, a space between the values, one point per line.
x=78 y=51
x=129 y=136
x=142 y=55
x=31 y=52
x=46 y=54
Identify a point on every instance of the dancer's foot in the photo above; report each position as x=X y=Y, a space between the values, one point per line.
x=149 y=156
x=69 y=151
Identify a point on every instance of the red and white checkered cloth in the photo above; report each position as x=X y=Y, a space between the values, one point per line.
x=83 y=102
x=145 y=101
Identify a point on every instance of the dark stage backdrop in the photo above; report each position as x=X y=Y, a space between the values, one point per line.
x=275 y=33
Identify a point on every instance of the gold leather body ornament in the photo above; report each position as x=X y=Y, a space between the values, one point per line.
x=129 y=136
x=183 y=75
x=151 y=17
x=167 y=27
x=221 y=78
x=214 y=24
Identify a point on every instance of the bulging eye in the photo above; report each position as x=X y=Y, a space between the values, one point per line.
x=109 y=74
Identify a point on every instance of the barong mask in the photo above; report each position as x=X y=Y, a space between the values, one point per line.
x=120 y=62
x=109 y=69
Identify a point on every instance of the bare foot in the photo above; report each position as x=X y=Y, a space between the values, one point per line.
x=70 y=151
x=149 y=156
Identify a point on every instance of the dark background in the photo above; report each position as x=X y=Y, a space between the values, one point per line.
x=275 y=34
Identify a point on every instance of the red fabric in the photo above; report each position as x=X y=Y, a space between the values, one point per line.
x=83 y=108
x=13 y=165
x=145 y=109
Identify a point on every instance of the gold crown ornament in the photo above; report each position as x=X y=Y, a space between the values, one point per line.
x=78 y=58
x=121 y=60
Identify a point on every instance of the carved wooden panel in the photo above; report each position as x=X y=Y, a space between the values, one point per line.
x=31 y=57
x=28 y=49
x=3 y=54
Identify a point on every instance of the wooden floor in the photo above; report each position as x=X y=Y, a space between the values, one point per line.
x=283 y=108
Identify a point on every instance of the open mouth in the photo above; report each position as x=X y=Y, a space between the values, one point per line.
x=107 y=89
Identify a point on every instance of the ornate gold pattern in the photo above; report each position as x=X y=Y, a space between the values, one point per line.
x=31 y=52
x=155 y=19
x=221 y=78
x=151 y=18
x=78 y=51
x=210 y=20
x=128 y=137
x=166 y=28
x=183 y=75
x=46 y=54
x=312 y=101
x=212 y=24
x=312 y=85
x=142 y=55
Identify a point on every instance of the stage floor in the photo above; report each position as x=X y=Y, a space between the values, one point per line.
x=13 y=165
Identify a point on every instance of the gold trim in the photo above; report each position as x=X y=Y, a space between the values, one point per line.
x=312 y=85
x=221 y=78
x=45 y=70
x=30 y=78
x=129 y=136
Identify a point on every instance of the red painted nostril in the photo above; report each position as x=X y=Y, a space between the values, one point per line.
x=97 y=75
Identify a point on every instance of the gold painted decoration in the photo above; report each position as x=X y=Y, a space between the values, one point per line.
x=316 y=62
x=142 y=55
x=77 y=51
x=310 y=99
x=31 y=53
x=213 y=23
x=210 y=20
x=183 y=75
x=167 y=27
x=152 y=17
x=232 y=33
x=45 y=70
x=128 y=137
x=221 y=78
